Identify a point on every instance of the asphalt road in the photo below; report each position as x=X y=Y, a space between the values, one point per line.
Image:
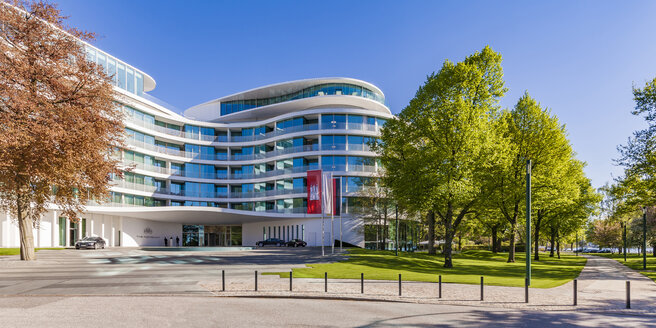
x=125 y=271
x=164 y=311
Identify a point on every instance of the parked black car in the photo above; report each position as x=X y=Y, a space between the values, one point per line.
x=90 y=242
x=296 y=243
x=270 y=241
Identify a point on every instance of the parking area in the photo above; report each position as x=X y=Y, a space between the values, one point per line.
x=142 y=271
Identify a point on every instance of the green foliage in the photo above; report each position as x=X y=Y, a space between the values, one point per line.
x=469 y=267
x=638 y=156
x=16 y=251
x=441 y=150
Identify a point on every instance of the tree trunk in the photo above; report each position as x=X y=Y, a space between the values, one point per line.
x=537 y=236
x=431 y=232
x=449 y=233
x=385 y=230
x=494 y=239
x=460 y=242
x=377 y=234
x=511 y=250
x=558 y=245
x=553 y=242
x=25 y=227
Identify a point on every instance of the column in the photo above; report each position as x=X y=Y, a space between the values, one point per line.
x=54 y=238
x=112 y=230
x=67 y=232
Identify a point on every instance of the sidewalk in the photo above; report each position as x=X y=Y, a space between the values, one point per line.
x=601 y=286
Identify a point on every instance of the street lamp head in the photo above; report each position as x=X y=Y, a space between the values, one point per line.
x=644 y=210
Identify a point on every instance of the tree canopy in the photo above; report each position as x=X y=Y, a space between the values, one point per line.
x=58 y=122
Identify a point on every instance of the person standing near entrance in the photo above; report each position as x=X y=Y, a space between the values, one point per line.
x=177 y=241
x=171 y=241
x=166 y=242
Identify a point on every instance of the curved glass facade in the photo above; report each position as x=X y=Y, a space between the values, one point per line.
x=346 y=89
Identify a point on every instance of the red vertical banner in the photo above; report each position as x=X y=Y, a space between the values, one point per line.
x=314 y=192
x=337 y=193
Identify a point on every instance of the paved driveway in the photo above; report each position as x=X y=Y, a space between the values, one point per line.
x=124 y=271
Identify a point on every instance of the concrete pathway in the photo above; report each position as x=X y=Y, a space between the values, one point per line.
x=164 y=311
x=601 y=286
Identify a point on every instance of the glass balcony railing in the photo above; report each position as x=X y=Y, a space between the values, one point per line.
x=271 y=134
x=296 y=210
x=241 y=176
x=198 y=194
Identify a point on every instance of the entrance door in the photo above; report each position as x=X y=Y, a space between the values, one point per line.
x=73 y=234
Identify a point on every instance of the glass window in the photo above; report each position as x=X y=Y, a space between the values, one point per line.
x=299 y=183
x=102 y=60
x=192 y=189
x=192 y=131
x=356 y=120
x=207 y=171
x=121 y=75
x=192 y=170
x=177 y=169
x=139 y=78
x=206 y=190
x=130 y=80
x=111 y=68
x=207 y=131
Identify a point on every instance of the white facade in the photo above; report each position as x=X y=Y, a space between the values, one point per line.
x=232 y=169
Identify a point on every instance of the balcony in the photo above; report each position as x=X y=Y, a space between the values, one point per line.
x=255 y=137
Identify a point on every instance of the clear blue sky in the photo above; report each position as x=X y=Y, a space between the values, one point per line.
x=579 y=58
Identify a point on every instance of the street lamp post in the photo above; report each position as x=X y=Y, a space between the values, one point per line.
x=644 y=237
x=528 y=222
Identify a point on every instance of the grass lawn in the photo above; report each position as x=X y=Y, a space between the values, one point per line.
x=16 y=251
x=469 y=266
x=634 y=261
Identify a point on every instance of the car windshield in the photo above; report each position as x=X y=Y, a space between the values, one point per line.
x=89 y=238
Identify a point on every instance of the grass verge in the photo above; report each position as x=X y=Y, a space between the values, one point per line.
x=469 y=266
x=16 y=251
x=634 y=261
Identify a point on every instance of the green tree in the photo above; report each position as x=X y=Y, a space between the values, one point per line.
x=441 y=152
x=638 y=156
x=531 y=132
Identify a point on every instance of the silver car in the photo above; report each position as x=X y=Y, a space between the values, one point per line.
x=90 y=242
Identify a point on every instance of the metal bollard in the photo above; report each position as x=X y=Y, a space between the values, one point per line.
x=481 y=288
x=290 y=280
x=325 y=281
x=526 y=290
x=399 y=284
x=575 y=292
x=223 y=280
x=628 y=294
x=439 y=293
x=255 y=280
x=361 y=283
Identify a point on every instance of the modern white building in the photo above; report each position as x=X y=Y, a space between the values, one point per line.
x=230 y=171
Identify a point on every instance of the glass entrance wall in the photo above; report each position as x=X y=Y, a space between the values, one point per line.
x=74 y=234
x=202 y=235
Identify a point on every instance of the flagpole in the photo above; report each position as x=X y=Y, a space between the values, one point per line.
x=332 y=214
x=323 y=214
x=340 y=214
